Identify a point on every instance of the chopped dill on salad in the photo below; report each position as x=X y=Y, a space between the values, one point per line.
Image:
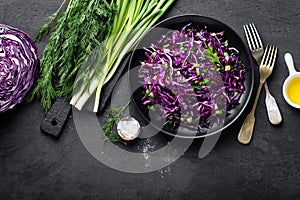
x=192 y=64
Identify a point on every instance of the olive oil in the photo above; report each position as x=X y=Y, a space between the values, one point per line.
x=293 y=90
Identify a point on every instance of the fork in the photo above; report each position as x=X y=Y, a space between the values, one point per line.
x=256 y=46
x=265 y=70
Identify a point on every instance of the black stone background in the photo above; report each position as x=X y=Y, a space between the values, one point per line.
x=35 y=166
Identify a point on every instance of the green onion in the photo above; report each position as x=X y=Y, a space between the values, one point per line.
x=131 y=21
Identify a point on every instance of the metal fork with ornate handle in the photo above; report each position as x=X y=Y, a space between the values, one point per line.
x=265 y=70
x=257 y=50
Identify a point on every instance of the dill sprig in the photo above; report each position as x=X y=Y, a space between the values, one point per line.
x=213 y=56
x=45 y=29
x=115 y=115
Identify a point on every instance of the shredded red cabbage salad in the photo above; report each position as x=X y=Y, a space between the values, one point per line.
x=188 y=64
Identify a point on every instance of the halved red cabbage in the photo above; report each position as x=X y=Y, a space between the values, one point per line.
x=19 y=63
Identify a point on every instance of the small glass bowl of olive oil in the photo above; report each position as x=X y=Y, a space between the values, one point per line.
x=291 y=86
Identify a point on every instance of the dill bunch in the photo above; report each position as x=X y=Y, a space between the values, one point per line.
x=77 y=31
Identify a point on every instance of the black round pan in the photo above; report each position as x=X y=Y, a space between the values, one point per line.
x=177 y=23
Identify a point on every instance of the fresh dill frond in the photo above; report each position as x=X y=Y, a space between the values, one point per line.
x=115 y=114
